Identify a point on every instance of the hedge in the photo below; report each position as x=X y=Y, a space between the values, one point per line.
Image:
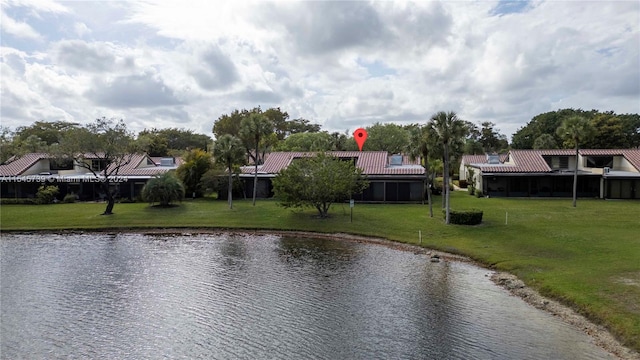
x=464 y=217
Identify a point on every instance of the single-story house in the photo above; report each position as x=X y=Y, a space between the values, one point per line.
x=392 y=178
x=21 y=176
x=602 y=173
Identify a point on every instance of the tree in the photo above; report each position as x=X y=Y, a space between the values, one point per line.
x=103 y=148
x=172 y=140
x=163 y=189
x=196 y=163
x=7 y=144
x=545 y=141
x=574 y=130
x=153 y=144
x=387 y=137
x=48 y=132
x=230 y=124
x=420 y=141
x=307 y=141
x=318 y=182
x=228 y=150
x=490 y=138
x=253 y=129
x=449 y=130
x=611 y=130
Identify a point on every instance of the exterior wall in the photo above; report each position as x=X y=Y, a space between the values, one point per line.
x=621 y=164
x=40 y=166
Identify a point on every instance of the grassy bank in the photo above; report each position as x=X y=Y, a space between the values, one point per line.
x=587 y=257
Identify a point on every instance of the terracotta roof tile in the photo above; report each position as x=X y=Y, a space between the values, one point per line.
x=138 y=165
x=17 y=165
x=371 y=162
x=532 y=161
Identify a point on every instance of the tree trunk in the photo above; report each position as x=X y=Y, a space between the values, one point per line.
x=255 y=182
x=446 y=182
x=426 y=170
x=111 y=201
x=230 y=188
x=575 y=178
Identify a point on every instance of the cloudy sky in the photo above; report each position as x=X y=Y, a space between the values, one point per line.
x=339 y=64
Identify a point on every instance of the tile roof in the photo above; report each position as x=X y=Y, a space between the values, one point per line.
x=371 y=162
x=136 y=167
x=532 y=161
x=17 y=165
x=480 y=159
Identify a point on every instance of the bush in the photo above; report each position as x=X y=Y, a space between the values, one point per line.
x=46 y=194
x=163 y=189
x=464 y=217
x=479 y=193
x=69 y=198
x=18 y=201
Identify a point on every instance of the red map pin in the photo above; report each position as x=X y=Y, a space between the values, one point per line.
x=361 y=136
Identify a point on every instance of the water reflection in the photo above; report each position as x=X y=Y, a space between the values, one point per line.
x=250 y=297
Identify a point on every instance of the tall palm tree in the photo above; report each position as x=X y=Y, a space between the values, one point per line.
x=253 y=129
x=574 y=130
x=229 y=151
x=419 y=148
x=449 y=130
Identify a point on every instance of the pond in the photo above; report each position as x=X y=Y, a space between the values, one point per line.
x=226 y=296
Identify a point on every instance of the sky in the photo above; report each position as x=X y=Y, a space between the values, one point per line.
x=341 y=64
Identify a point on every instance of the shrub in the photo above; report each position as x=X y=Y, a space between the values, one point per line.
x=18 y=201
x=479 y=193
x=69 y=198
x=464 y=217
x=163 y=189
x=46 y=194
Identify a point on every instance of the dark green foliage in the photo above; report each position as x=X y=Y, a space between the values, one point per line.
x=228 y=152
x=318 y=182
x=69 y=198
x=308 y=141
x=386 y=137
x=196 y=163
x=46 y=194
x=107 y=142
x=545 y=141
x=163 y=189
x=48 y=132
x=162 y=142
x=479 y=193
x=17 y=201
x=612 y=131
x=464 y=217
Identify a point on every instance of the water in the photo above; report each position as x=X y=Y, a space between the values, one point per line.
x=134 y=296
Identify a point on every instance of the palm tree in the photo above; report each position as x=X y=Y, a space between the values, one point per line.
x=419 y=148
x=449 y=130
x=163 y=189
x=228 y=150
x=253 y=129
x=574 y=130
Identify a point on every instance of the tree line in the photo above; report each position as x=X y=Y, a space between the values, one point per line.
x=610 y=130
x=243 y=137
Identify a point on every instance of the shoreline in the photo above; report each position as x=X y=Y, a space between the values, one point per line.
x=516 y=287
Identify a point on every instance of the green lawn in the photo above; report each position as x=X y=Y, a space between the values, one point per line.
x=587 y=257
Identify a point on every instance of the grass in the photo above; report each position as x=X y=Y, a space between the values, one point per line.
x=587 y=257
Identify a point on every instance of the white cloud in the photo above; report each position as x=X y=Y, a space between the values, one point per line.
x=17 y=28
x=344 y=64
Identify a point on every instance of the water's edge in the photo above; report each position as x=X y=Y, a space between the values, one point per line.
x=600 y=335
